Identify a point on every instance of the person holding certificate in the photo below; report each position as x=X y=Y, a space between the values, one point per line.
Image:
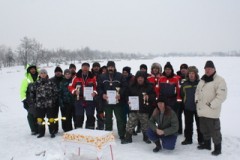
x=111 y=88
x=84 y=87
x=141 y=95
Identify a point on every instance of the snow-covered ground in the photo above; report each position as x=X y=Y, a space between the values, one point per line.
x=16 y=143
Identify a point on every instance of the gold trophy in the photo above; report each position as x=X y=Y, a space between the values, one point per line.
x=117 y=93
x=78 y=89
x=145 y=101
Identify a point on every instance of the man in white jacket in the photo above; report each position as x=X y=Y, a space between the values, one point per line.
x=210 y=94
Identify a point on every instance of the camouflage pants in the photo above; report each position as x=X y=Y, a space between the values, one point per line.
x=133 y=121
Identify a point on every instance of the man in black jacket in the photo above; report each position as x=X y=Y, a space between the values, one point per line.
x=113 y=82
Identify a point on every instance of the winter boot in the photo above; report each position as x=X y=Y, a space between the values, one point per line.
x=205 y=145
x=217 y=149
x=158 y=146
x=186 y=142
x=145 y=138
x=134 y=133
x=127 y=139
x=41 y=130
x=90 y=123
x=79 y=121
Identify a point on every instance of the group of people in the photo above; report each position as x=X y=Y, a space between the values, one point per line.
x=154 y=103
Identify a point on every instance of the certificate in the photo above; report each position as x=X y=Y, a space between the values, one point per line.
x=87 y=93
x=133 y=102
x=111 y=96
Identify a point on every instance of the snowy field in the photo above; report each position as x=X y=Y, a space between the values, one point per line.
x=16 y=143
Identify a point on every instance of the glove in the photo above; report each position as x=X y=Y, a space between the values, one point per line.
x=25 y=104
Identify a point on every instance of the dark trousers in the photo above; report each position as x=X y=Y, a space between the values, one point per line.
x=180 y=112
x=67 y=111
x=80 y=108
x=189 y=119
x=210 y=128
x=51 y=114
x=31 y=117
x=168 y=142
x=119 y=114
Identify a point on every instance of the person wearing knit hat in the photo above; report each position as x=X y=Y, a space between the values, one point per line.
x=188 y=90
x=67 y=71
x=126 y=71
x=211 y=92
x=58 y=69
x=96 y=68
x=57 y=78
x=85 y=64
x=72 y=68
x=143 y=67
x=209 y=64
x=96 y=64
x=168 y=70
x=43 y=71
x=111 y=68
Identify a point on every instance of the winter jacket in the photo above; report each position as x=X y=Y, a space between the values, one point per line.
x=88 y=81
x=188 y=90
x=44 y=93
x=210 y=96
x=137 y=90
x=110 y=82
x=169 y=123
x=66 y=96
x=154 y=80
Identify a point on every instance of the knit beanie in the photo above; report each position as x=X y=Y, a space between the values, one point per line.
x=67 y=71
x=43 y=71
x=86 y=64
x=183 y=66
x=96 y=64
x=144 y=66
x=168 y=65
x=58 y=69
x=209 y=64
x=72 y=66
x=127 y=69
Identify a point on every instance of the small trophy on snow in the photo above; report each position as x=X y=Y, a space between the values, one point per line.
x=78 y=89
x=117 y=93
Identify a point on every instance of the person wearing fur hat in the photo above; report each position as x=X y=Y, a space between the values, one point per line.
x=163 y=126
x=66 y=101
x=146 y=96
x=169 y=87
x=188 y=89
x=109 y=82
x=31 y=76
x=84 y=79
x=44 y=96
x=57 y=78
x=211 y=92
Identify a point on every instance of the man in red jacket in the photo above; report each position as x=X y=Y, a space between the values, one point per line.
x=84 y=88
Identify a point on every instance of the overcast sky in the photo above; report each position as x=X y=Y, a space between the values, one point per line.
x=156 y=26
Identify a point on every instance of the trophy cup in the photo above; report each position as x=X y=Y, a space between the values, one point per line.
x=145 y=101
x=117 y=93
x=78 y=89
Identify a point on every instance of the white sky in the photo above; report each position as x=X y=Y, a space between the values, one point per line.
x=144 y=26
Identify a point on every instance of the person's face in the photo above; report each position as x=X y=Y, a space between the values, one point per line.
x=85 y=69
x=161 y=106
x=67 y=75
x=140 y=80
x=209 y=71
x=96 y=68
x=32 y=70
x=125 y=73
x=43 y=75
x=155 y=70
x=58 y=74
x=72 y=70
x=110 y=69
x=168 y=71
x=104 y=70
x=192 y=76
x=184 y=71
x=143 y=69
